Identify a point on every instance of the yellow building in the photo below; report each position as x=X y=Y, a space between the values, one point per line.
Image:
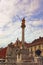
x=37 y=44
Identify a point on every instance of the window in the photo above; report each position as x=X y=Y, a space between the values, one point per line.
x=35 y=47
x=39 y=47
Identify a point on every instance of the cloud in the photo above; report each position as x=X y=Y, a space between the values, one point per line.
x=10 y=8
x=11 y=13
x=36 y=22
x=27 y=9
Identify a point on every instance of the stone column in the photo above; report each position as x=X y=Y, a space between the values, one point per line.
x=23 y=29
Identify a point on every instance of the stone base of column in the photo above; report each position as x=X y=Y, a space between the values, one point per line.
x=19 y=58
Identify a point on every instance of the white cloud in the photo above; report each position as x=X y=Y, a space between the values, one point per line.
x=6 y=11
x=27 y=10
x=10 y=8
x=36 y=22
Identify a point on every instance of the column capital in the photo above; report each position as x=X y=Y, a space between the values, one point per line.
x=23 y=23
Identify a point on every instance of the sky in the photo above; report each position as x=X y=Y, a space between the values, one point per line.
x=11 y=14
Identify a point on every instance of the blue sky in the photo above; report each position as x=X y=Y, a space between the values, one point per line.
x=11 y=14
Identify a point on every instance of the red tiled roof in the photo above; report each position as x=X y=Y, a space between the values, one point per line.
x=3 y=52
x=34 y=43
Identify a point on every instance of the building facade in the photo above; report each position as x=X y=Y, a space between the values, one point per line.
x=36 y=45
x=20 y=51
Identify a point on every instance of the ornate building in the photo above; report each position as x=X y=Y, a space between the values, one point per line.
x=37 y=44
x=20 y=51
